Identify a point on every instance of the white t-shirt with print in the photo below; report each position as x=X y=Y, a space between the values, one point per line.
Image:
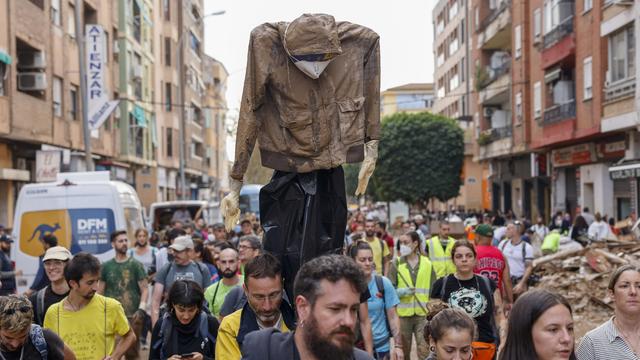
x=513 y=253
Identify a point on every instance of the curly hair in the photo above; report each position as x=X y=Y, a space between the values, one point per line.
x=441 y=318
x=328 y=267
x=16 y=313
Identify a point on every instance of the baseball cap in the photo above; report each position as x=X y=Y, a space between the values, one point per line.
x=484 y=230
x=57 y=253
x=218 y=225
x=6 y=238
x=181 y=243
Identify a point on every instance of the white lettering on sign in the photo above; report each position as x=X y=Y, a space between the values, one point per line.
x=92 y=225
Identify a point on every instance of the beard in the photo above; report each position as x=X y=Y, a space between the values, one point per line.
x=322 y=347
x=228 y=274
x=370 y=233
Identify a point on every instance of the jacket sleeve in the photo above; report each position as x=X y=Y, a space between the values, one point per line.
x=253 y=95
x=154 y=349
x=226 y=344
x=372 y=92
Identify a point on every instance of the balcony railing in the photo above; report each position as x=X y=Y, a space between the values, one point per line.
x=489 y=75
x=559 y=112
x=558 y=33
x=494 y=134
x=621 y=89
x=505 y=4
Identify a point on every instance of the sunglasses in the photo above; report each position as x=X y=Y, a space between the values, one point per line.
x=23 y=309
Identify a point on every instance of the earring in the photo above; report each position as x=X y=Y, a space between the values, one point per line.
x=432 y=349
x=301 y=325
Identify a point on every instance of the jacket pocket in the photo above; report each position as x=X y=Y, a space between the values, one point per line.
x=351 y=120
x=301 y=133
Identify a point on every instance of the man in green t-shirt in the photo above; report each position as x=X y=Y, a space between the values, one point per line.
x=228 y=268
x=123 y=278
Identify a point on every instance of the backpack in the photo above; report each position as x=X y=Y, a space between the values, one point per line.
x=524 y=249
x=38 y=341
x=40 y=305
x=167 y=327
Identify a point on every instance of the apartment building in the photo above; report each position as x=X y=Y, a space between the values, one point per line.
x=41 y=129
x=454 y=93
x=557 y=104
x=409 y=98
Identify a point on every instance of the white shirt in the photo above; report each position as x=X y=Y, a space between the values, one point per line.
x=499 y=233
x=513 y=253
x=599 y=230
x=541 y=230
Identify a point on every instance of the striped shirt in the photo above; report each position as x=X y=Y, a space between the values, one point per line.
x=604 y=343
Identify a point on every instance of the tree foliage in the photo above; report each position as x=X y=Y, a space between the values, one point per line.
x=420 y=158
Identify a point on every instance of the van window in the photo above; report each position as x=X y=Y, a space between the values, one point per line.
x=249 y=203
x=134 y=222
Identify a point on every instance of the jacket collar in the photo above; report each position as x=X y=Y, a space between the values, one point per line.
x=249 y=322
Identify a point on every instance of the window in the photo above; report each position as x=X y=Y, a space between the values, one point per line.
x=588 y=80
x=461 y=69
x=622 y=55
x=38 y=3
x=519 y=107
x=71 y=21
x=57 y=96
x=518 y=40
x=167 y=51
x=453 y=10
x=197 y=149
x=73 y=103
x=537 y=25
x=169 y=132
x=166 y=6
x=4 y=71
x=55 y=12
x=588 y=5
x=537 y=99
x=137 y=21
x=194 y=43
x=167 y=97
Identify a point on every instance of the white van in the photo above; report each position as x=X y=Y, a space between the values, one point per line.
x=81 y=209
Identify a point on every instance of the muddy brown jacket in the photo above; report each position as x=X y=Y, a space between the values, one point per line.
x=303 y=124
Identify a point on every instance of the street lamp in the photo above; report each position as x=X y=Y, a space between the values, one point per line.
x=180 y=94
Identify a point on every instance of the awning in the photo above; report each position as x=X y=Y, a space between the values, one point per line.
x=552 y=75
x=5 y=57
x=625 y=171
x=138 y=113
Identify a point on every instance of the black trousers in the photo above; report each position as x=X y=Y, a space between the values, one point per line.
x=303 y=216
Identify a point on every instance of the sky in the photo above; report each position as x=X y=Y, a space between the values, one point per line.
x=404 y=26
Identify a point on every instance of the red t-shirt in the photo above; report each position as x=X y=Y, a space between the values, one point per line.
x=490 y=263
x=389 y=240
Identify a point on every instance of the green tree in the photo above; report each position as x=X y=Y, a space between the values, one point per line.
x=420 y=158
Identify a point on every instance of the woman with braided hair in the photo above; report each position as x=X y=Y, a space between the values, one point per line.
x=449 y=332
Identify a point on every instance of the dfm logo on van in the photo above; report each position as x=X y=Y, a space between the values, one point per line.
x=92 y=225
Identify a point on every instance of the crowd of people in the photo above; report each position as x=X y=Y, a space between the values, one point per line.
x=194 y=291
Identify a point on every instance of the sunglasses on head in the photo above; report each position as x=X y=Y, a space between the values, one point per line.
x=23 y=309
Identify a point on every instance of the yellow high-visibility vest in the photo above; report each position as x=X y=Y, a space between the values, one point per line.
x=441 y=258
x=411 y=305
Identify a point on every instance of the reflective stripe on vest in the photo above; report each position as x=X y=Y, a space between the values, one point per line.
x=441 y=259
x=409 y=305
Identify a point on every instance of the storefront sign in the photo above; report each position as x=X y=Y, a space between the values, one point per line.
x=47 y=165
x=611 y=150
x=573 y=155
x=624 y=171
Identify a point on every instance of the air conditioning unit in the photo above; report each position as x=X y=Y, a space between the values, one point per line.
x=136 y=72
x=31 y=60
x=32 y=81
x=488 y=111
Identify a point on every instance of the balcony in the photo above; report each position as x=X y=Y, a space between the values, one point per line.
x=501 y=146
x=493 y=15
x=494 y=134
x=558 y=33
x=491 y=74
x=559 y=112
x=496 y=33
x=620 y=90
x=493 y=84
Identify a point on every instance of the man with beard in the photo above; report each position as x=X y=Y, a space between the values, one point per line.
x=19 y=339
x=88 y=322
x=264 y=309
x=124 y=279
x=7 y=272
x=327 y=294
x=381 y=253
x=227 y=264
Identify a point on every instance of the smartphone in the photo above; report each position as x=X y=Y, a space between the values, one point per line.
x=187 y=356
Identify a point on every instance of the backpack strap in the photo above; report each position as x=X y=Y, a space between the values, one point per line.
x=444 y=287
x=380 y=286
x=206 y=336
x=38 y=341
x=163 y=334
x=40 y=305
x=503 y=244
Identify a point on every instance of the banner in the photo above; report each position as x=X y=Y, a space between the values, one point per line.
x=100 y=107
x=47 y=165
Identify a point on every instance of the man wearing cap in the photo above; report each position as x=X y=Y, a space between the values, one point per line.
x=54 y=260
x=7 y=273
x=491 y=263
x=180 y=268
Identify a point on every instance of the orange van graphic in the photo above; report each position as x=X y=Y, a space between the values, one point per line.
x=36 y=224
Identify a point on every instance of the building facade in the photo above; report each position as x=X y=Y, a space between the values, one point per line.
x=557 y=105
x=40 y=100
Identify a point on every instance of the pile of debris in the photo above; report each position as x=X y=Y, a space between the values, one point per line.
x=581 y=274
